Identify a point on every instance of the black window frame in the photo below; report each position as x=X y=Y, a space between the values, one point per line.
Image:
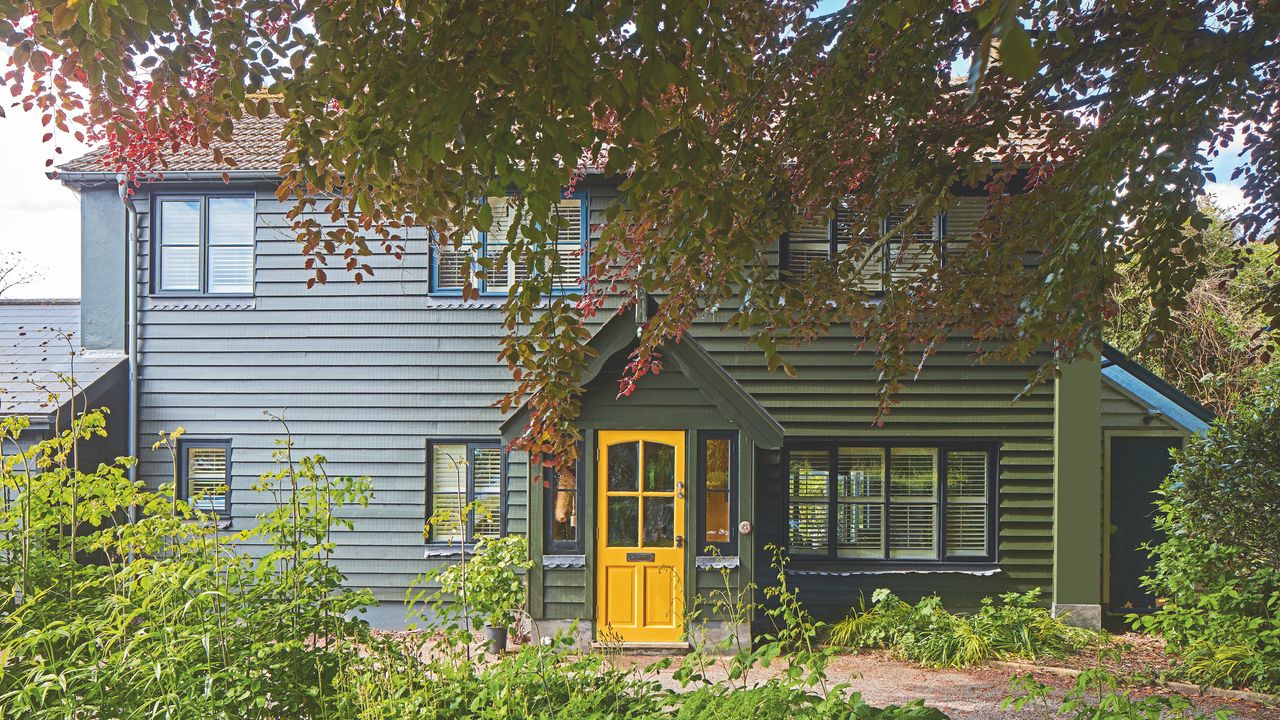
x=835 y=244
x=468 y=534
x=728 y=548
x=991 y=447
x=578 y=545
x=183 y=491
x=156 y=259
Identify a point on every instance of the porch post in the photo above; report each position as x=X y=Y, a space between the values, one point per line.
x=1077 y=493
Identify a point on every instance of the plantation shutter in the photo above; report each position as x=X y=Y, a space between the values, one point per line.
x=809 y=473
x=962 y=222
x=453 y=265
x=179 y=251
x=448 y=491
x=967 y=503
x=504 y=272
x=231 y=245
x=912 y=249
x=808 y=245
x=570 y=244
x=851 y=232
x=486 y=468
x=913 y=510
x=207 y=478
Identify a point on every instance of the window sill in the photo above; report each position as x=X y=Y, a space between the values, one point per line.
x=564 y=562
x=200 y=302
x=435 y=552
x=716 y=562
x=845 y=569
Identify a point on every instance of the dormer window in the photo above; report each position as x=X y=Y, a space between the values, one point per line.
x=451 y=266
x=203 y=245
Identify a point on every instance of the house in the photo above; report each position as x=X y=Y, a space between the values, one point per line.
x=41 y=356
x=689 y=480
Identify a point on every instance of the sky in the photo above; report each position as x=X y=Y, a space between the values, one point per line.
x=42 y=221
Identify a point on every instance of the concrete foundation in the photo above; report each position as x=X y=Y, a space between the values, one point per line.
x=1079 y=615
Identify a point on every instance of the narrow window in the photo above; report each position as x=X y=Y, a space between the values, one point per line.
x=204 y=245
x=809 y=475
x=913 y=503
x=563 y=510
x=968 y=515
x=718 y=465
x=205 y=472
x=461 y=473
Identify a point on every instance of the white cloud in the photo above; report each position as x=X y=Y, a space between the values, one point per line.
x=1228 y=197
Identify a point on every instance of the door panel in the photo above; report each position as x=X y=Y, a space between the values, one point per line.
x=641 y=553
x=1138 y=466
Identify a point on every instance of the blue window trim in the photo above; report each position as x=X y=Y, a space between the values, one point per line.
x=436 y=291
x=468 y=531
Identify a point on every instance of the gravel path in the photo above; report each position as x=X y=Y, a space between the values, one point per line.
x=971 y=694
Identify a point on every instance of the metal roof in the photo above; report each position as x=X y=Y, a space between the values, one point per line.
x=39 y=353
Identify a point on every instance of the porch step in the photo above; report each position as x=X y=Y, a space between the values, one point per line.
x=644 y=648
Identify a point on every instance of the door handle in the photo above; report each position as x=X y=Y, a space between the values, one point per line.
x=679 y=541
x=680 y=490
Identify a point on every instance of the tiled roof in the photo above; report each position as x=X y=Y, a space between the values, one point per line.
x=255 y=146
x=34 y=351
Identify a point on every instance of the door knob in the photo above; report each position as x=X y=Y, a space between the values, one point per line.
x=679 y=541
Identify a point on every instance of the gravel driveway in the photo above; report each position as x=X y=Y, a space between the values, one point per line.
x=971 y=694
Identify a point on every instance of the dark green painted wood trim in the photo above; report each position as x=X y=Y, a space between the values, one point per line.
x=535 y=501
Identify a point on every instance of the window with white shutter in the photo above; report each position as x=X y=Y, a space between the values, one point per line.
x=914 y=248
x=500 y=272
x=203 y=245
x=896 y=503
x=206 y=474
x=460 y=473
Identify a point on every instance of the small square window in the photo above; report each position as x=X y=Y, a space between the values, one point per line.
x=205 y=474
x=462 y=473
x=204 y=245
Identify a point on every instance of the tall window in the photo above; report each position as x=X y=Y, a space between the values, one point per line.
x=896 y=503
x=718 y=475
x=460 y=473
x=568 y=223
x=564 y=510
x=205 y=472
x=204 y=245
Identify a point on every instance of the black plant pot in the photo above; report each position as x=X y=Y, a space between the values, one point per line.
x=495 y=638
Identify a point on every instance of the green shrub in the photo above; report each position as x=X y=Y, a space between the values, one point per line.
x=926 y=634
x=1218 y=571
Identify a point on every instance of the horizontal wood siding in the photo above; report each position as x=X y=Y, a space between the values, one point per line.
x=364 y=375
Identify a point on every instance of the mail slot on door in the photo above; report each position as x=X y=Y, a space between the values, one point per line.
x=639 y=557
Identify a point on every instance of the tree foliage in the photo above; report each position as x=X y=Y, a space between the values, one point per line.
x=1090 y=125
x=1209 y=351
x=1219 y=568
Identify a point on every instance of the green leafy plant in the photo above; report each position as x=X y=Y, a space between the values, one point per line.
x=927 y=634
x=1218 y=569
x=489 y=584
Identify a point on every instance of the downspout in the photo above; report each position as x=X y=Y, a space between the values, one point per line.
x=131 y=326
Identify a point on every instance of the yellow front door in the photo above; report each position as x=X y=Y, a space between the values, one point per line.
x=640 y=545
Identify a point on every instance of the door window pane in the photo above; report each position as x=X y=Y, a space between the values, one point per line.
x=624 y=521
x=659 y=521
x=624 y=467
x=659 y=467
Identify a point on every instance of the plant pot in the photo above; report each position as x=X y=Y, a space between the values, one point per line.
x=495 y=638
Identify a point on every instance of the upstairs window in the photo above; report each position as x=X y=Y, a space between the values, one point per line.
x=460 y=473
x=897 y=503
x=452 y=266
x=906 y=255
x=203 y=245
x=205 y=473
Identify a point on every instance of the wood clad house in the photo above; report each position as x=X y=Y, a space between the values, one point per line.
x=691 y=478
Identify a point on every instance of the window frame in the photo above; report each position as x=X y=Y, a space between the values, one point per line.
x=728 y=548
x=434 y=289
x=576 y=546
x=183 y=491
x=941 y=447
x=468 y=533
x=155 y=259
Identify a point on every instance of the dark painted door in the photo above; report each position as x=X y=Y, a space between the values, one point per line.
x=1138 y=466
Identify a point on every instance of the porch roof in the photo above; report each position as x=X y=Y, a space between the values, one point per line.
x=730 y=398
